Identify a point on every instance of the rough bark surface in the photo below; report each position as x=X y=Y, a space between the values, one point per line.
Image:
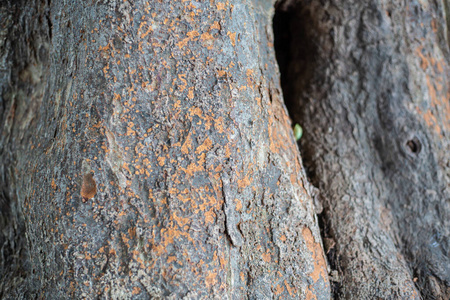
x=148 y=149
x=369 y=82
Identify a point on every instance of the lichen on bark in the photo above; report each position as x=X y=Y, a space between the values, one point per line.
x=163 y=101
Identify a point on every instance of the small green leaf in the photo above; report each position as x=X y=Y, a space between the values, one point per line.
x=298 y=132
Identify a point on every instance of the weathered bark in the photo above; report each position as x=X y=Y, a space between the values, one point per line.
x=369 y=82
x=175 y=109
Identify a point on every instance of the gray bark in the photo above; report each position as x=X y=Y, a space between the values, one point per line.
x=147 y=153
x=369 y=82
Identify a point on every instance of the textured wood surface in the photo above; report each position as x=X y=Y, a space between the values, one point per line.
x=176 y=109
x=369 y=83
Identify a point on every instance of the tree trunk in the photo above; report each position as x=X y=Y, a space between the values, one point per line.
x=369 y=82
x=147 y=153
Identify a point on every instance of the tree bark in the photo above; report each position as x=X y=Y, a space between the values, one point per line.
x=147 y=153
x=369 y=82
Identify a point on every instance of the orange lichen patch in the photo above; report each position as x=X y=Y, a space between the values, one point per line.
x=266 y=257
x=182 y=78
x=320 y=268
x=136 y=290
x=249 y=74
x=125 y=239
x=430 y=120
x=130 y=131
x=244 y=182
x=424 y=64
x=190 y=36
x=144 y=34
x=132 y=232
x=436 y=81
x=432 y=92
x=242 y=276
x=168 y=235
x=180 y=220
x=212 y=202
x=105 y=69
x=161 y=160
x=106 y=48
x=441 y=103
x=223 y=261
x=205 y=146
x=290 y=289
x=206 y=36
x=171 y=258
x=159 y=249
x=222 y=73
x=238 y=204
x=219 y=125
x=193 y=167
x=220 y=6
x=258 y=101
x=187 y=144
x=310 y=295
x=232 y=37
x=279 y=123
x=228 y=149
x=295 y=179
x=125 y=166
x=191 y=93
x=215 y=25
x=88 y=187
x=279 y=289
x=183 y=195
x=210 y=279
x=195 y=111
x=273 y=145
x=53 y=184
x=209 y=217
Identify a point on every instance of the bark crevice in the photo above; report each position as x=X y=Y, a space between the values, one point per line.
x=292 y=23
x=369 y=83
